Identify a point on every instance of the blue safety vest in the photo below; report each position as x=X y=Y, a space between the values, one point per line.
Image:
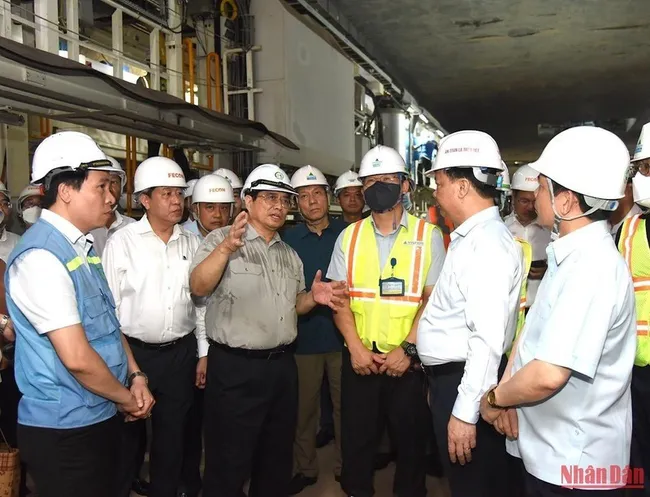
x=52 y=397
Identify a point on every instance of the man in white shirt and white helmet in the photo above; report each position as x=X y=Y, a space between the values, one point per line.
x=187 y=221
x=255 y=288
x=72 y=362
x=147 y=266
x=117 y=220
x=522 y=223
x=235 y=182
x=470 y=319
x=569 y=373
x=29 y=204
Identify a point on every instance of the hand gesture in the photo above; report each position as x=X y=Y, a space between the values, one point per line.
x=141 y=401
x=365 y=362
x=201 y=371
x=396 y=363
x=507 y=424
x=331 y=294
x=234 y=239
x=461 y=439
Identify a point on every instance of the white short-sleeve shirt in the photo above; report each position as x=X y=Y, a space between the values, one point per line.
x=584 y=320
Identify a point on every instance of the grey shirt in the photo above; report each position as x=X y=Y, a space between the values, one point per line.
x=338 y=270
x=254 y=304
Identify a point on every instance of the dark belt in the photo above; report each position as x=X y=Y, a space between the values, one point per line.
x=443 y=369
x=155 y=346
x=274 y=353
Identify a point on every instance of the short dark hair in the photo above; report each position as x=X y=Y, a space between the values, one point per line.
x=74 y=179
x=484 y=190
x=599 y=215
x=148 y=192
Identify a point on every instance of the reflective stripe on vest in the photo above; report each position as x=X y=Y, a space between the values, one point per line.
x=633 y=245
x=77 y=262
x=385 y=321
x=527 y=250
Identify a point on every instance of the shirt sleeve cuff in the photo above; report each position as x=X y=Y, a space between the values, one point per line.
x=466 y=409
x=202 y=347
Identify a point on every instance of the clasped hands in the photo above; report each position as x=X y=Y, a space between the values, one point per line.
x=141 y=402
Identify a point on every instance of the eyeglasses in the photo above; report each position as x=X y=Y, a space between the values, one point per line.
x=5 y=204
x=276 y=198
x=383 y=178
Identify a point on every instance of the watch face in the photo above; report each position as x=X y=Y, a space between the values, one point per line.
x=410 y=349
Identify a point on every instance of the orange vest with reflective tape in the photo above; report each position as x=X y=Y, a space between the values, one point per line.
x=633 y=244
x=386 y=321
x=445 y=225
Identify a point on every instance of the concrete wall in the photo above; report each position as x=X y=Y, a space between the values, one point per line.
x=308 y=91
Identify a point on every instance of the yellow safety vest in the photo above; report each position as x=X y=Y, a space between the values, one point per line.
x=386 y=321
x=633 y=244
x=528 y=260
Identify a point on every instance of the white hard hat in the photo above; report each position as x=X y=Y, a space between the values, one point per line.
x=235 y=180
x=189 y=191
x=642 y=150
x=308 y=176
x=474 y=149
x=4 y=190
x=158 y=171
x=67 y=151
x=587 y=160
x=267 y=177
x=347 y=180
x=641 y=189
x=381 y=160
x=525 y=179
x=503 y=182
x=213 y=189
x=29 y=191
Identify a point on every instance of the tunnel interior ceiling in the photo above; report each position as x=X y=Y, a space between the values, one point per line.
x=507 y=66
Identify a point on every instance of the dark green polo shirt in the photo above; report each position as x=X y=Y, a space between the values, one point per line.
x=317 y=333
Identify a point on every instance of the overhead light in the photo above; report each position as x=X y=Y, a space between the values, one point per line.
x=440 y=133
x=424 y=119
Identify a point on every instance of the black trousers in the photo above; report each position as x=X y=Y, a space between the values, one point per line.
x=9 y=399
x=487 y=474
x=172 y=372
x=193 y=449
x=78 y=462
x=251 y=406
x=640 y=453
x=538 y=488
x=368 y=403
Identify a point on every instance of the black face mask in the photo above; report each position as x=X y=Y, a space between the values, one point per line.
x=381 y=197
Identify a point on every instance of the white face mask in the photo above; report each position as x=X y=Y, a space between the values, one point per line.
x=31 y=215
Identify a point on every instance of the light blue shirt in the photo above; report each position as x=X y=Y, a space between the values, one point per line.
x=192 y=226
x=583 y=319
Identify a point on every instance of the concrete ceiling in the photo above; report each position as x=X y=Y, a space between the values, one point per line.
x=505 y=66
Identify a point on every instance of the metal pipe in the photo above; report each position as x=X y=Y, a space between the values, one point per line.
x=129 y=175
x=137 y=15
x=212 y=60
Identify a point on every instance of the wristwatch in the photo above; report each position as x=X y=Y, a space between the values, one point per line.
x=135 y=374
x=4 y=320
x=410 y=349
x=492 y=400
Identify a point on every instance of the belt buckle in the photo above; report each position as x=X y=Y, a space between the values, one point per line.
x=274 y=353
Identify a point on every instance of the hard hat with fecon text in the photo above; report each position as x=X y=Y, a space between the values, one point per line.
x=587 y=160
x=308 y=176
x=641 y=189
x=381 y=160
x=213 y=189
x=67 y=151
x=642 y=150
x=268 y=177
x=525 y=179
x=235 y=181
x=158 y=172
x=347 y=180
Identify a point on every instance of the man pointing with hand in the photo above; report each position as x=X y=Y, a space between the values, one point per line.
x=255 y=289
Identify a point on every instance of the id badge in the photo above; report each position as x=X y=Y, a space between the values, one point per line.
x=391 y=287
